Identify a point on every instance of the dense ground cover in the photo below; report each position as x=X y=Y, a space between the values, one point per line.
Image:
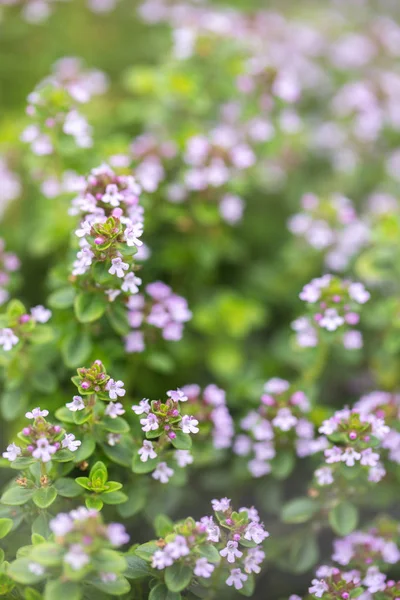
x=199 y=292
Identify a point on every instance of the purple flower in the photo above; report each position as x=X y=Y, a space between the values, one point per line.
x=221 y=505
x=117 y=534
x=162 y=473
x=203 y=568
x=35 y=413
x=12 y=453
x=177 y=395
x=76 y=557
x=231 y=552
x=76 y=404
x=149 y=423
x=236 y=579
x=115 y=389
x=40 y=314
x=189 y=424
x=70 y=442
x=114 y=410
x=147 y=451
x=255 y=532
x=142 y=407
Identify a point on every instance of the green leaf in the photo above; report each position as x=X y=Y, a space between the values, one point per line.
x=303 y=553
x=120 y=454
x=62 y=298
x=116 y=425
x=114 y=497
x=47 y=554
x=76 y=348
x=210 y=552
x=84 y=482
x=248 y=587
x=161 y=592
x=16 y=496
x=94 y=502
x=40 y=525
x=19 y=571
x=45 y=381
x=178 y=577
x=299 y=510
x=62 y=590
x=343 y=518
x=64 y=415
x=182 y=441
x=42 y=334
x=113 y=588
x=146 y=550
x=137 y=567
x=45 y=496
x=89 y=306
x=141 y=467
x=118 y=317
x=22 y=462
x=32 y=594
x=109 y=561
x=5 y=527
x=85 y=450
x=67 y=487
x=163 y=525
x=283 y=464
x=13 y=403
x=137 y=497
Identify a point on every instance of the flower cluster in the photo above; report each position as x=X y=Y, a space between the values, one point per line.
x=331 y=583
x=229 y=539
x=384 y=405
x=334 y=305
x=279 y=424
x=9 y=265
x=331 y=224
x=94 y=382
x=211 y=410
x=164 y=423
x=360 y=550
x=354 y=440
x=42 y=440
x=109 y=233
x=51 y=107
x=159 y=308
x=20 y=325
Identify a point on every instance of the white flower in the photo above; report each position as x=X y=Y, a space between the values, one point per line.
x=331 y=320
x=284 y=419
x=114 y=410
x=142 y=407
x=8 y=339
x=131 y=283
x=162 y=472
x=318 y=587
x=149 y=423
x=231 y=552
x=41 y=314
x=43 y=450
x=276 y=385
x=369 y=458
x=61 y=524
x=236 y=578
x=115 y=389
x=177 y=548
x=76 y=404
x=358 y=293
x=70 y=442
x=221 y=505
x=84 y=230
x=147 y=451
x=132 y=234
x=118 y=267
x=112 y=195
x=350 y=456
x=189 y=424
x=203 y=568
x=36 y=412
x=324 y=476
x=255 y=532
x=76 y=557
x=161 y=560
x=183 y=458
x=177 y=395
x=13 y=451
x=36 y=569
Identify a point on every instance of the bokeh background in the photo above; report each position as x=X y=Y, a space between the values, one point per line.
x=242 y=282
